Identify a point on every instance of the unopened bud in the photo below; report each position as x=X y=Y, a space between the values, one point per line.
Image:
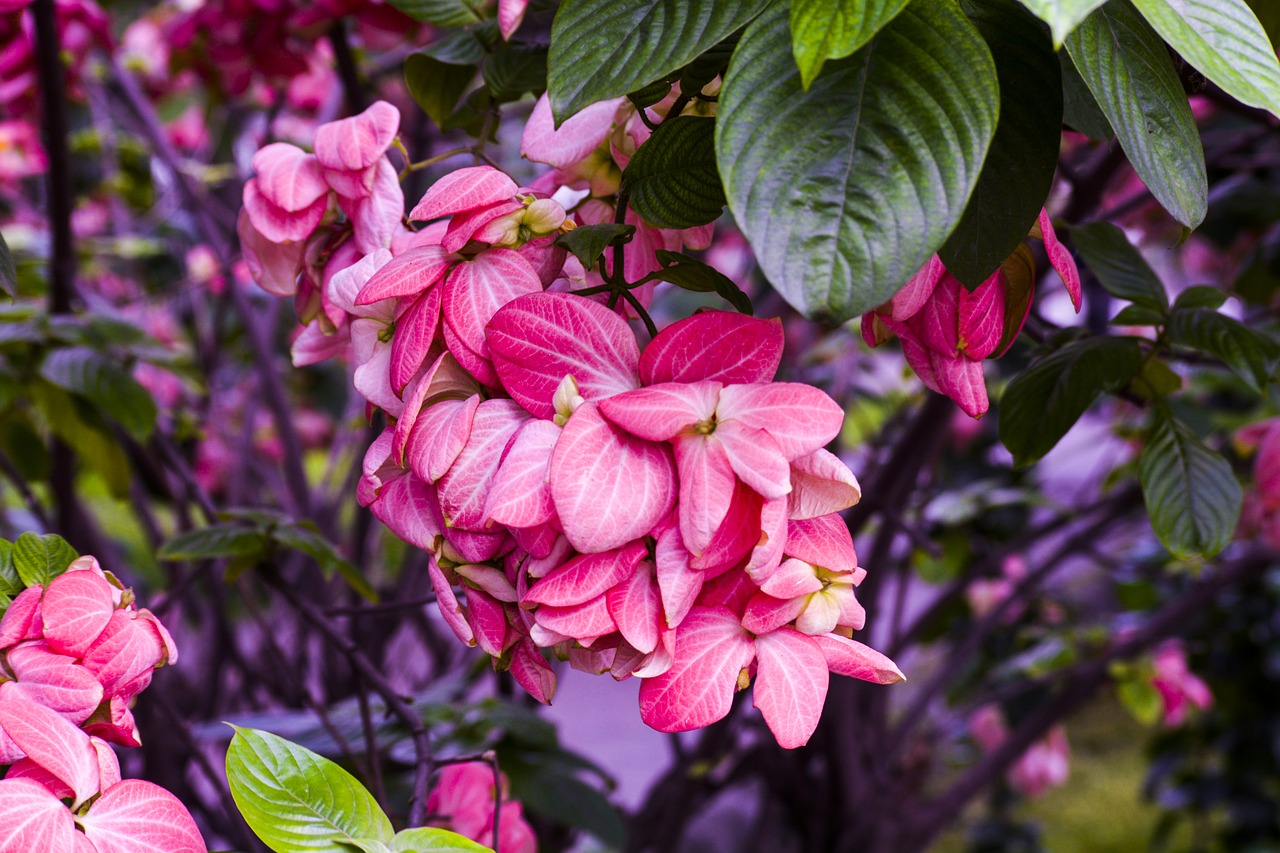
x=566 y=400
x=543 y=216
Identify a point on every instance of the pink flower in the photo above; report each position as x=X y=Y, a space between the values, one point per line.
x=21 y=154
x=1179 y=688
x=463 y=801
x=1044 y=765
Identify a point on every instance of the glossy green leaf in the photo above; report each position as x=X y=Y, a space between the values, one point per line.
x=114 y=392
x=442 y=13
x=603 y=49
x=1192 y=496
x=1200 y=296
x=1018 y=171
x=10 y=581
x=428 y=840
x=1250 y=354
x=1047 y=398
x=513 y=71
x=1120 y=268
x=8 y=273
x=435 y=85
x=218 y=540
x=846 y=190
x=588 y=242
x=1080 y=111
x=1128 y=70
x=1062 y=16
x=693 y=275
x=1138 y=315
x=297 y=801
x=672 y=178
x=303 y=538
x=39 y=559
x=1225 y=41
x=834 y=29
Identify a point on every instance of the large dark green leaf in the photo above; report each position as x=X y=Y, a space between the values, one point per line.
x=833 y=29
x=1250 y=354
x=297 y=801
x=1192 y=496
x=515 y=70
x=1225 y=41
x=1121 y=270
x=1129 y=72
x=1019 y=168
x=846 y=190
x=443 y=13
x=602 y=49
x=1080 y=111
x=115 y=393
x=8 y=274
x=11 y=582
x=672 y=178
x=1047 y=398
x=39 y=559
x=1062 y=16
x=695 y=276
x=435 y=85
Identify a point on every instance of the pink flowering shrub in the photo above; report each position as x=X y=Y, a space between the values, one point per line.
x=74 y=654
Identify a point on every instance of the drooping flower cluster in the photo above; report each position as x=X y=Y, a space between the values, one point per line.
x=74 y=654
x=947 y=331
x=463 y=801
x=667 y=514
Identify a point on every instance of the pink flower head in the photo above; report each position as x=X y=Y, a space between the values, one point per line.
x=348 y=150
x=486 y=206
x=463 y=801
x=1179 y=688
x=947 y=331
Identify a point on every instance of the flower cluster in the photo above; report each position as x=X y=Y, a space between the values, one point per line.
x=463 y=801
x=1179 y=688
x=73 y=656
x=1046 y=763
x=669 y=514
x=947 y=331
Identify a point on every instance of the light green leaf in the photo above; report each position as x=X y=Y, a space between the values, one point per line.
x=672 y=178
x=428 y=840
x=1141 y=699
x=1062 y=16
x=1193 y=498
x=834 y=29
x=1225 y=41
x=297 y=801
x=1120 y=269
x=442 y=13
x=1047 y=398
x=115 y=393
x=39 y=559
x=8 y=273
x=1019 y=168
x=1128 y=70
x=82 y=429
x=218 y=540
x=846 y=190
x=1250 y=354
x=603 y=49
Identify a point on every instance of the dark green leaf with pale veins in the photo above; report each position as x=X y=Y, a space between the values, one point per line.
x=1192 y=496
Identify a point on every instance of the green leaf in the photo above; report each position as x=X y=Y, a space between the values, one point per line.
x=1120 y=268
x=846 y=190
x=1138 y=315
x=1200 y=296
x=435 y=85
x=297 y=801
x=567 y=799
x=1225 y=41
x=218 y=540
x=693 y=275
x=1062 y=16
x=834 y=29
x=588 y=242
x=1250 y=354
x=602 y=49
x=1126 y=67
x=39 y=559
x=1046 y=399
x=83 y=430
x=426 y=840
x=115 y=393
x=8 y=273
x=672 y=178
x=461 y=46
x=442 y=13
x=1192 y=496
x=1080 y=110
x=515 y=70
x=302 y=538
x=647 y=96
x=1141 y=699
x=1018 y=171
x=10 y=581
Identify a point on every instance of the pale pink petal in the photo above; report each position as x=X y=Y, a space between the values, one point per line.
x=466 y=189
x=609 y=487
x=823 y=541
x=408 y=274
x=791 y=685
x=481 y=225
x=706 y=489
x=636 y=608
x=274 y=266
x=586 y=577
x=800 y=418
x=755 y=457
x=521 y=491
x=354 y=144
x=53 y=743
x=377 y=217
x=678 y=584
x=344 y=286
x=821 y=484
x=134 y=816
x=289 y=177
x=439 y=435
x=464 y=488
x=510 y=14
x=277 y=224
x=721 y=345
x=583 y=622
x=711 y=649
x=537 y=340
x=851 y=658
x=767 y=553
x=22 y=621
x=575 y=140
x=660 y=412
x=32 y=819
x=314 y=345
x=737 y=535
x=447 y=601
x=792 y=578
x=766 y=613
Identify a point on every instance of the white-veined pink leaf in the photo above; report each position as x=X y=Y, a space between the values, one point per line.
x=636 y=608
x=410 y=510
x=32 y=820
x=22 y=621
x=736 y=535
x=755 y=457
x=124 y=651
x=55 y=681
x=54 y=743
x=822 y=541
x=464 y=488
x=447 y=601
x=821 y=484
x=134 y=816
x=706 y=489
x=800 y=418
x=439 y=434
x=586 y=577
x=76 y=607
x=721 y=345
x=1060 y=258
x=791 y=685
x=575 y=140
x=488 y=621
x=275 y=223
x=521 y=493
x=711 y=649
x=463 y=190
x=982 y=317
x=409 y=274
x=857 y=660
x=583 y=622
x=532 y=672
x=475 y=290
x=660 y=412
x=288 y=177
x=765 y=613
x=793 y=577
x=678 y=584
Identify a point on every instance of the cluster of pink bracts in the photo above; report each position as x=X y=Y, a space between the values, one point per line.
x=464 y=801
x=73 y=655
x=667 y=514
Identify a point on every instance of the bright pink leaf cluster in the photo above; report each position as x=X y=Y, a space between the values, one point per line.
x=463 y=801
x=947 y=331
x=73 y=656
